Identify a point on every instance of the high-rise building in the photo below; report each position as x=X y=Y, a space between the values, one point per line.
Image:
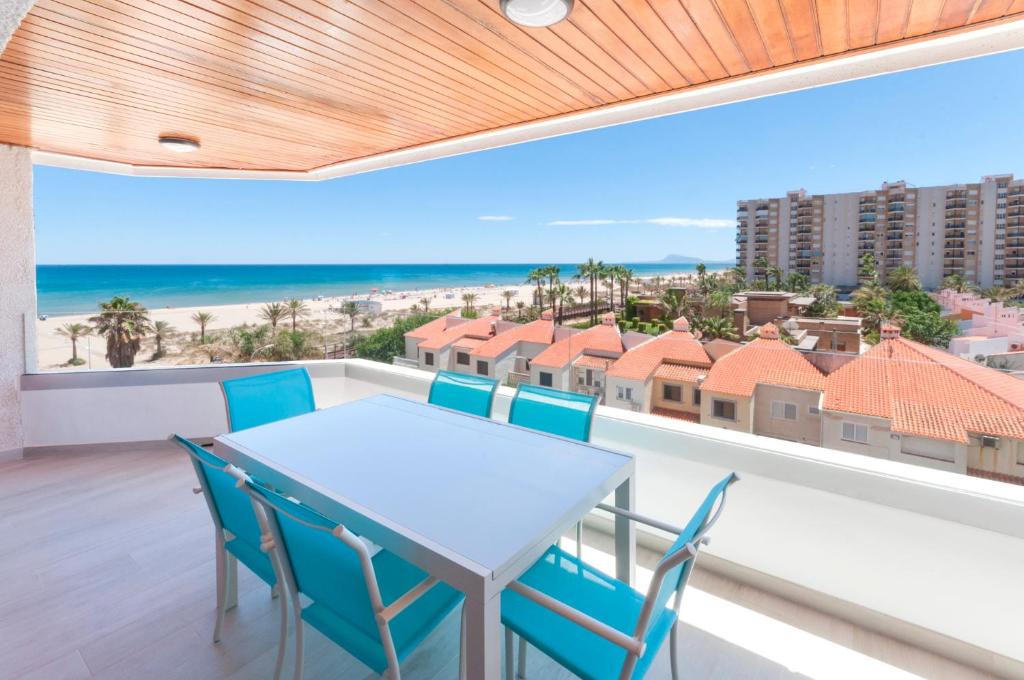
x=976 y=230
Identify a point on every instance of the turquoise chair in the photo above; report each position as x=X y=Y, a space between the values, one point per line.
x=236 y=534
x=566 y=414
x=377 y=607
x=598 y=627
x=467 y=393
x=267 y=397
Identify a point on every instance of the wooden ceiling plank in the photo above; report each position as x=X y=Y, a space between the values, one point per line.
x=802 y=22
x=771 y=22
x=682 y=28
x=625 y=26
x=587 y=48
x=955 y=13
x=832 y=26
x=287 y=57
x=654 y=28
x=924 y=17
x=710 y=23
x=991 y=9
x=745 y=31
x=387 y=27
x=409 y=51
x=892 y=20
x=863 y=22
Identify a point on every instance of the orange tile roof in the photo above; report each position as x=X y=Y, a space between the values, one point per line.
x=431 y=328
x=679 y=373
x=928 y=392
x=765 y=361
x=672 y=346
x=678 y=415
x=540 y=331
x=477 y=328
x=588 y=361
x=468 y=343
x=600 y=338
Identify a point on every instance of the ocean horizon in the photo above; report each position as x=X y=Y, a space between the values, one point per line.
x=78 y=289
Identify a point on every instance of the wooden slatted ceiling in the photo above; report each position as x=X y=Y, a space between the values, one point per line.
x=300 y=84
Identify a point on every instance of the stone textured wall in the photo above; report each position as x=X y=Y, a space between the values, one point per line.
x=17 y=289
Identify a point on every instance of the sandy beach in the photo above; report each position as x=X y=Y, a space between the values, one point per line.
x=53 y=350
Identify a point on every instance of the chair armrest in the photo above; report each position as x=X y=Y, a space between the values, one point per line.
x=410 y=596
x=649 y=521
x=613 y=635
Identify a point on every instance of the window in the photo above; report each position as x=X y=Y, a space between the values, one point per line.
x=696 y=396
x=462 y=358
x=428 y=358
x=590 y=376
x=625 y=393
x=726 y=410
x=783 y=410
x=545 y=379
x=672 y=393
x=481 y=368
x=855 y=432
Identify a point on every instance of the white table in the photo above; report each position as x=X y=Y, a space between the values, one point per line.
x=469 y=500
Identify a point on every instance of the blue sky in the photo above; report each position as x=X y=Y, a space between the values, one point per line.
x=632 y=193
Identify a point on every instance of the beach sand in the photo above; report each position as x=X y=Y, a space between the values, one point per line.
x=53 y=351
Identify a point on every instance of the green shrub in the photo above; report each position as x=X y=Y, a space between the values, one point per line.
x=385 y=344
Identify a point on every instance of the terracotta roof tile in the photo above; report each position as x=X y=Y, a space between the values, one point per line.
x=600 y=338
x=477 y=328
x=588 y=361
x=539 y=331
x=678 y=415
x=672 y=346
x=679 y=373
x=468 y=343
x=927 y=392
x=431 y=328
x=764 y=361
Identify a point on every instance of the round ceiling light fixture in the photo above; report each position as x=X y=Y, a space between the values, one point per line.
x=179 y=144
x=536 y=13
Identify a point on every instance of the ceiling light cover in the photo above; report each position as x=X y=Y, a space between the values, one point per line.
x=179 y=144
x=536 y=13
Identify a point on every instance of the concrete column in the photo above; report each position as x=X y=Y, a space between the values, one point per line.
x=17 y=291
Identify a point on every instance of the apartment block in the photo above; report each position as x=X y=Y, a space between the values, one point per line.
x=975 y=230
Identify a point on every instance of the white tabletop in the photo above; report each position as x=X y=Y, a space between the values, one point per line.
x=481 y=493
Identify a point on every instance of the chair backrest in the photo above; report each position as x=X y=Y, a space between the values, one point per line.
x=671 y=574
x=566 y=414
x=267 y=397
x=324 y=561
x=467 y=393
x=229 y=506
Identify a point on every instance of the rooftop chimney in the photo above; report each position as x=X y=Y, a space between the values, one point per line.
x=769 y=331
x=608 y=319
x=547 y=315
x=889 y=331
x=681 y=324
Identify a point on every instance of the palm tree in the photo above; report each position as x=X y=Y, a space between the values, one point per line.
x=296 y=308
x=591 y=270
x=957 y=283
x=719 y=301
x=273 y=313
x=426 y=304
x=551 y=298
x=702 y=278
x=903 y=278
x=519 y=309
x=203 y=319
x=552 y=273
x=161 y=332
x=74 y=332
x=123 y=323
x=469 y=299
x=508 y=295
x=538 y=277
x=672 y=303
x=868 y=294
x=776 y=273
x=868 y=271
x=763 y=264
x=625 y=275
x=580 y=292
x=351 y=310
x=715 y=327
x=739 y=275
x=997 y=293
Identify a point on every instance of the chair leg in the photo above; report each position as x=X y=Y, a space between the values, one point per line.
x=282 y=636
x=232 y=581
x=521 y=675
x=297 y=609
x=579 y=540
x=673 y=652
x=510 y=651
x=220 y=559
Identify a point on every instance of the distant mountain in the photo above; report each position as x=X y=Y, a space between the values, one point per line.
x=679 y=259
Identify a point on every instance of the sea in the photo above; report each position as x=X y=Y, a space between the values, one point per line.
x=77 y=289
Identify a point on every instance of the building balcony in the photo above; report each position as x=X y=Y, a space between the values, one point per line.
x=147 y=557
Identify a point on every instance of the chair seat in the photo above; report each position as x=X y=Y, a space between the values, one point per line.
x=256 y=560
x=565 y=578
x=395 y=577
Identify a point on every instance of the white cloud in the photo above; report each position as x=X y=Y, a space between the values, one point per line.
x=495 y=218
x=698 y=222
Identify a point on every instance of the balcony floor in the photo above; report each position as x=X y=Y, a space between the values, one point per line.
x=107 y=566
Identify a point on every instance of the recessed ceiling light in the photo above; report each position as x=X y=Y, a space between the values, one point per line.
x=179 y=144
x=536 y=13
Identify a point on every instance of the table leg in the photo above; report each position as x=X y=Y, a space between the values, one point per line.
x=483 y=638
x=625 y=533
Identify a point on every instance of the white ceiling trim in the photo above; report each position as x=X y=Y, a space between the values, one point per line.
x=1000 y=37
